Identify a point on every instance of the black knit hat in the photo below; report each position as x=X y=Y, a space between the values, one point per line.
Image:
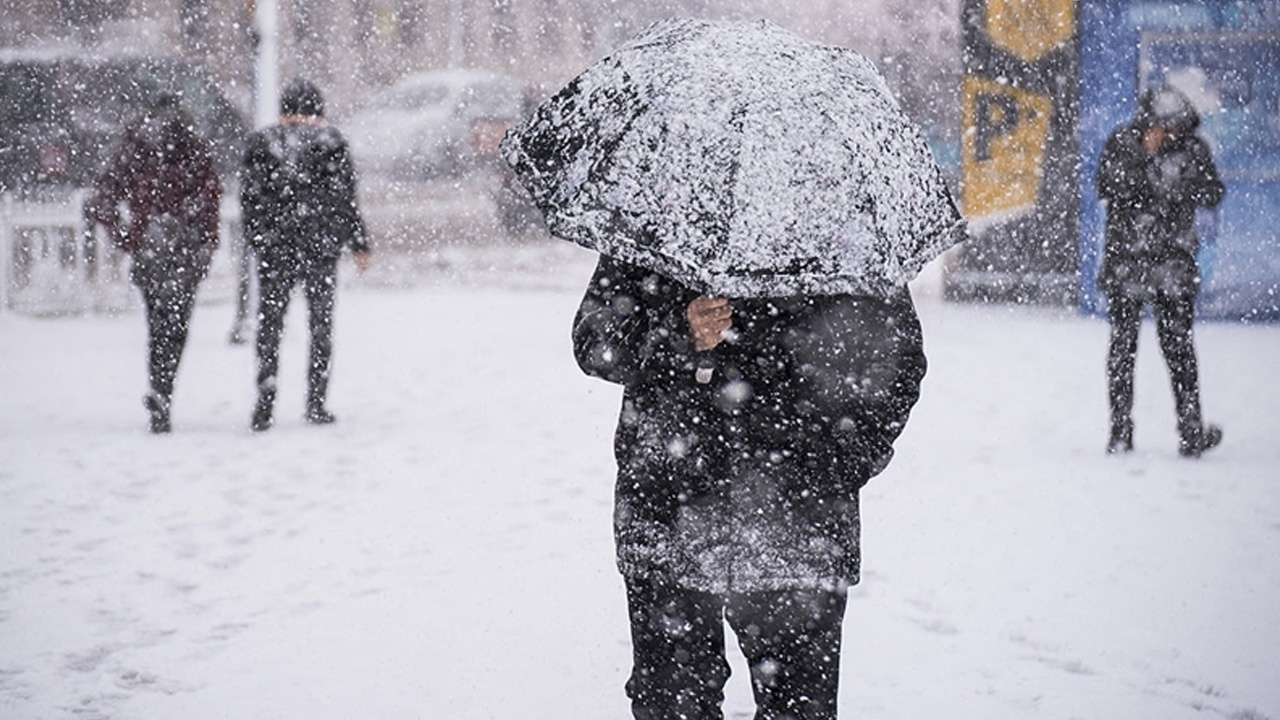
x=301 y=97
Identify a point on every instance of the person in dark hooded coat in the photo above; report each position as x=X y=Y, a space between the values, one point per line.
x=163 y=171
x=299 y=209
x=1153 y=174
x=747 y=429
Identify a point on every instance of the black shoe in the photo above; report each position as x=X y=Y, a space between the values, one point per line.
x=266 y=403
x=1121 y=439
x=1194 y=445
x=261 y=416
x=159 y=409
x=319 y=416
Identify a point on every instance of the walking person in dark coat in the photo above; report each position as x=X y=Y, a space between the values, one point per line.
x=1153 y=174
x=747 y=429
x=298 y=203
x=164 y=173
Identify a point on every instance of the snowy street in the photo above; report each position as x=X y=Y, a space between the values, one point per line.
x=445 y=549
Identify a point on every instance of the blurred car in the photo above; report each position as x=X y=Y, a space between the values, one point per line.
x=61 y=114
x=434 y=124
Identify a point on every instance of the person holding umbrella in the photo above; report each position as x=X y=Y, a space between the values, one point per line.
x=759 y=204
x=747 y=430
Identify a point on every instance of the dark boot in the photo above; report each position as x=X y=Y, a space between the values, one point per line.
x=1121 y=437
x=1195 y=441
x=158 y=406
x=317 y=414
x=262 y=411
x=317 y=389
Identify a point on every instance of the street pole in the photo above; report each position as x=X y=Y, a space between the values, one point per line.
x=455 y=33
x=266 y=110
x=266 y=79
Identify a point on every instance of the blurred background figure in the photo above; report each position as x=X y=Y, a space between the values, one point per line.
x=164 y=173
x=298 y=204
x=1153 y=174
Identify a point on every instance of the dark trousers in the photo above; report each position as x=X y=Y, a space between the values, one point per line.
x=791 y=640
x=276 y=279
x=168 y=319
x=1174 y=318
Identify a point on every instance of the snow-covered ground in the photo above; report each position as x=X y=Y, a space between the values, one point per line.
x=444 y=550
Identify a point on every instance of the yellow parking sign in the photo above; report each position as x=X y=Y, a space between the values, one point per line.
x=1006 y=132
x=1030 y=29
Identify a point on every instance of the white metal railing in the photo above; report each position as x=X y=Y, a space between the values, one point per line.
x=54 y=261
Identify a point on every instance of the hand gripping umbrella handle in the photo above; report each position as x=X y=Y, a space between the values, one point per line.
x=706 y=368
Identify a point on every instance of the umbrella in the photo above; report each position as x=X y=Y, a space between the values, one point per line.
x=741 y=160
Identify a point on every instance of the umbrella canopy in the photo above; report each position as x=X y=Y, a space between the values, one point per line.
x=741 y=160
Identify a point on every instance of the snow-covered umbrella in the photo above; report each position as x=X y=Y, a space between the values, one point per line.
x=741 y=160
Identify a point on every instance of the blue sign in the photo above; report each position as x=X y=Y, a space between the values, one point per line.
x=1225 y=56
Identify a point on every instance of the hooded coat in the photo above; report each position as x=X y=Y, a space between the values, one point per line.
x=748 y=481
x=1151 y=243
x=164 y=172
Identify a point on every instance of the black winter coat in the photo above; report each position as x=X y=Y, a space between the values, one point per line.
x=1151 y=243
x=750 y=481
x=298 y=193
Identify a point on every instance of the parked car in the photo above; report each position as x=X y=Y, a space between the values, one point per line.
x=61 y=114
x=435 y=124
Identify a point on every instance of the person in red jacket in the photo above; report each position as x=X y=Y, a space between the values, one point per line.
x=163 y=171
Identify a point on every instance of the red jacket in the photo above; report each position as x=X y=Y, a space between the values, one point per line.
x=162 y=167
